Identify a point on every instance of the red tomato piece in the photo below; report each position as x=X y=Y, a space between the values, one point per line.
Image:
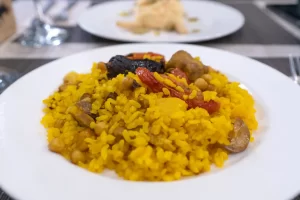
x=148 y=78
x=177 y=72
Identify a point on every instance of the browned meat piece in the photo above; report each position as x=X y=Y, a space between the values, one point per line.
x=82 y=110
x=86 y=97
x=239 y=138
x=83 y=119
x=181 y=59
x=85 y=106
x=112 y=95
x=80 y=116
x=85 y=103
x=59 y=123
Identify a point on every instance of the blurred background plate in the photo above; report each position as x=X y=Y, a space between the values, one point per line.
x=214 y=20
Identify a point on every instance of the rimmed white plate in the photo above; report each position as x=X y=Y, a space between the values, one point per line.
x=215 y=20
x=268 y=169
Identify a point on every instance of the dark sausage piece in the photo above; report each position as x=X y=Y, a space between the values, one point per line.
x=122 y=65
x=239 y=137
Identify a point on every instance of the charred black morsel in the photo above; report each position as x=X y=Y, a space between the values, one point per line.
x=122 y=65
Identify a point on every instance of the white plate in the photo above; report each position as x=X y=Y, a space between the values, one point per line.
x=268 y=169
x=215 y=20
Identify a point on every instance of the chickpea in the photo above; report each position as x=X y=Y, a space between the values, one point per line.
x=102 y=67
x=99 y=127
x=118 y=131
x=86 y=133
x=77 y=156
x=56 y=145
x=63 y=87
x=127 y=83
x=207 y=77
x=211 y=87
x=59 y=123
x=201 y=84
x=81 y=144
x=71 y=78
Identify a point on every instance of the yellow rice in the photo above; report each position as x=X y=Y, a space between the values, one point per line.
x=180 y=139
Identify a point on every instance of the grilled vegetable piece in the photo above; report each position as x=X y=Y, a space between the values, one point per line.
x=122 y=65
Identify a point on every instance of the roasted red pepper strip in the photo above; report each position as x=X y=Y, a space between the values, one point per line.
x=211 y=106
x=177 y=72
x=148 y=78
x=140 y=56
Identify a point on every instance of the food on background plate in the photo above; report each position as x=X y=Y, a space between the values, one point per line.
x=193 y=19
x=149 y=119
x=156 y=15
